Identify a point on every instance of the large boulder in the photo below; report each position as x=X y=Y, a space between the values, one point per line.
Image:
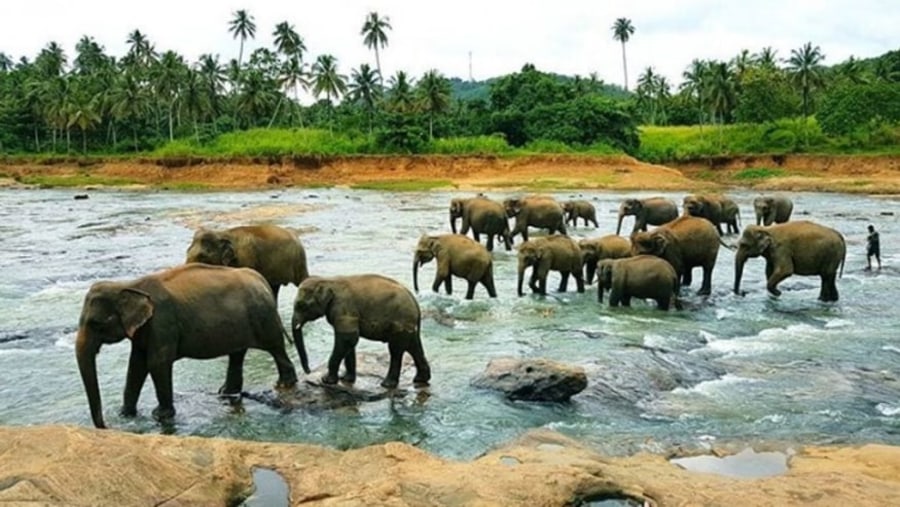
x=532 y=379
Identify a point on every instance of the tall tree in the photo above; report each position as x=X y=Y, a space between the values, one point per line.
x=6 y=63
x=767 y=58
x=365 y=90
x=327 y=80
x=242 y=26
x=400 y=93
x=720 y=92
x=806 y=71
x=693 y=84
x=375 y=36
x=287 y=41
x=622 y=31
x=434 y=92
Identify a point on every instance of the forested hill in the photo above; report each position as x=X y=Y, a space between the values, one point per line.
x=466 y=90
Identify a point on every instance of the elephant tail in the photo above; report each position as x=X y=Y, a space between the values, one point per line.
x=676 y=302
x=844 y=258
x=288 y=337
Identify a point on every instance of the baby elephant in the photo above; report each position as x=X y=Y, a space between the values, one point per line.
x=456 y=255
x=557 y=253
x=370 y=306
x=580 y=209
x=594 y=250
x=642 y=276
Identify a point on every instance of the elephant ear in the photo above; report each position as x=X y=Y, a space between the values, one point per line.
x=229 y=258
x=135 y=309
x=660 y=242
x=324 y=294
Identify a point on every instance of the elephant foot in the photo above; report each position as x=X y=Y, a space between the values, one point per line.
x=420 y=381
x=128 y=412
x=348 y=379
x=329 y=379
x=226 y=391
x=164 y=413
x=285 y=385
x=389 y=383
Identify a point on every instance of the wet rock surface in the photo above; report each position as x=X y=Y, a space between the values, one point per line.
x=532 y=379
x=59 y=465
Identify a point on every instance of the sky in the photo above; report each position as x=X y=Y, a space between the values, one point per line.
x=563 y=36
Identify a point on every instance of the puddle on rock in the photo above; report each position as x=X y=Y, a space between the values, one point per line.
x=747 y=464
x=269 y=489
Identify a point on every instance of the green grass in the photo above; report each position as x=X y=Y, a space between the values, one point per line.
x=186 y=186
x=759 y=173
x=402 y=185
x=269 y=143
x=481 y=145
x=80 y=180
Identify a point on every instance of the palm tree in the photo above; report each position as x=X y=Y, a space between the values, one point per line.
x=294 y=76
x=374 y=36
x=213 y=77
x=741 y=64
x=766 y=58
x=129 y=101
x=720 y=92
x=169 y=74
x=327 y=80
x=243 y=27
x=5 y=62
x=622 y=32
x=400 y=93
x=364 y=89
x=806 y=71
x=434 y=91
x=287 y=41
x=693 y=85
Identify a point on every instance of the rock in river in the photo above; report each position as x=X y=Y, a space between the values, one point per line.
x=532 y=379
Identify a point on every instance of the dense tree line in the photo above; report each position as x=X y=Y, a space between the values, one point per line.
x=94 y=101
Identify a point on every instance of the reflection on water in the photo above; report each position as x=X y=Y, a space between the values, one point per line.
x=728 y=368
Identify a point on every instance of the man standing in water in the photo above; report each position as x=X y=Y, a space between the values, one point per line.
x=873 y=247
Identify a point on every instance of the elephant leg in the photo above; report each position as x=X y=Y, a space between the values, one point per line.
x=626 y=300
x=470 y=290
x=533 y=280
x=828 y=292
x=579 y=282
x=687 y=277
x=488 y=282
x=134 y=382
x=349 y=375
x=663 y=303
x=772 y=282
x=343 y=343
x=287 y=375
x=596 y=225
x=448 y=284
x=275 y=287
x=490 y=242
x=563 y=281
x=423 y=369
x=393 y=375
x=162 y=381
x=234 y=377
x=706 y=286
x=477 y=236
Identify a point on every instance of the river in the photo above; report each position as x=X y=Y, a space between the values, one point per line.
x=726 y=369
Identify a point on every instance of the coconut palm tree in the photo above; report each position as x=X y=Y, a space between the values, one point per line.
x=434 y=93
x=374 y=36
x=242 y=26
x=327 y=80
x=293 y=76
x=622 y=32
x=741 y=64
x=693 y=84
x=720 y=92
x=806 y=71
x=168 y=80
x=400 y=93
x=6 y=63
x=365 y=90
x=766 y=58
x=287 y=41
x=129 y=102
x=213 y=77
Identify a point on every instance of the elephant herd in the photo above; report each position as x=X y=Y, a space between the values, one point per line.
x=223 y=299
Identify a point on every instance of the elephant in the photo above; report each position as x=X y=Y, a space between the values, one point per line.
x=652 y=211
x=456 y=255
x=197 y=311
x=535 y=211
x=275 y=252
x=685 y=242
x=580 y=209
x=771 y=209
x=483 y=216
x=593 y=250
x=641 y=276
x=369 y=306
x=801 y=248
x=557 y=253
x=716 y=208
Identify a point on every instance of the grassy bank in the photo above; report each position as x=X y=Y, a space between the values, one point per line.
x=685 y=143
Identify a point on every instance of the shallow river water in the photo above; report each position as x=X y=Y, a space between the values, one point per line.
x=727 y=369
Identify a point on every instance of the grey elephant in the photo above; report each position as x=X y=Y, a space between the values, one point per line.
x=716 y=208
x=580 y=209
x=686 y=242
x=594 y=250
x=793 y=248
x=194 y=310
x=535 y=211
x=369 y=306
x=456 y=255
x=483 y=216
x=556 y=253
x=641 y=276
x=650 y=211
x=772 y=209
x=275 y=252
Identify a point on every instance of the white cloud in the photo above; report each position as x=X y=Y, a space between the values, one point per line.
x=565 y=36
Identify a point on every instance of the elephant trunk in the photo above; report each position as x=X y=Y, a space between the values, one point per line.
x=297 y=332
x=453 y=222
x=521 y=278
x=415 y=267
x=739 y=259
x=590 y=267
x=600 y=288
x=86 y=353
x=621 y=216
